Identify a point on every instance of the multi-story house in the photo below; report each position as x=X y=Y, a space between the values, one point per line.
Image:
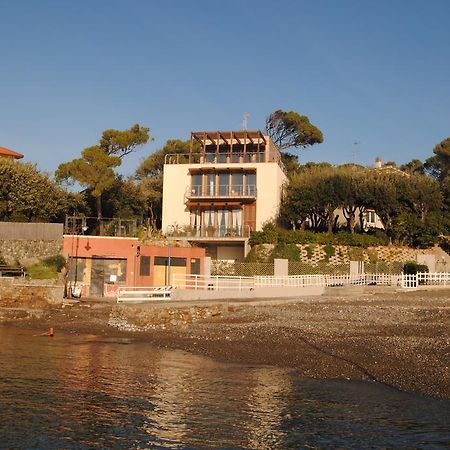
x=229 y=185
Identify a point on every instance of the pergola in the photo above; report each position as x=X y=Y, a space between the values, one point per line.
x=228 y=138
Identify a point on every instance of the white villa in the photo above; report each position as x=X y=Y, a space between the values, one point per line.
x=229 y=185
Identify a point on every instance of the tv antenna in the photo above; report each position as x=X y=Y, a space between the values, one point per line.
x=245 y=120
x=355 y=144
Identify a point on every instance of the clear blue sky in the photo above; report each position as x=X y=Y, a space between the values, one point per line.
x=372 y=72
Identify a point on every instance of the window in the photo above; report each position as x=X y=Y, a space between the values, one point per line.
x=144 y=270
x=196 y=184
x=195 y=266
x=224 y=184
x=175 y=262
x=237 y=181
x=250 y=184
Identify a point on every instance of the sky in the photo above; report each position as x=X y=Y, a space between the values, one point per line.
x=372 y=75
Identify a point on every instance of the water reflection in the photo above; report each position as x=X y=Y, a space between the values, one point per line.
x=90 y=392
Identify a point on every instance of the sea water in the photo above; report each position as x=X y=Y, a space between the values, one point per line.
x=89 y=392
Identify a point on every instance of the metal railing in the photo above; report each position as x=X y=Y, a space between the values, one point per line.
x=143 y=294
x=221 y=191
x=242 y=231
x=203 y=158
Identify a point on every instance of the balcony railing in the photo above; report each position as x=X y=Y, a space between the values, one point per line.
x=241 y=231
x=202 y=158
x=221 y=191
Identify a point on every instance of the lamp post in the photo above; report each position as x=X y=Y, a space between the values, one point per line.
x=169 y=232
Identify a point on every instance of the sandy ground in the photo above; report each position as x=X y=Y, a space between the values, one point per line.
x=398 y=338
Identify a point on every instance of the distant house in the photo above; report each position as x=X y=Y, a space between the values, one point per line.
x=6 y=153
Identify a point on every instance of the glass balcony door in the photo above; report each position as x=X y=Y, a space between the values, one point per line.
x=224 y=184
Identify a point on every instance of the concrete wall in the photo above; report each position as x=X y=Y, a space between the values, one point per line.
x=176 y=181
x=230 y=252
x=263 y=292
x=269 y=184
x=31 y=231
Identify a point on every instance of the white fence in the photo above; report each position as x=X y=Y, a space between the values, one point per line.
x=201 y=282
x=220 y=283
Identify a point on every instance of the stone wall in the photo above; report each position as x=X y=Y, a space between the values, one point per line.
x=136 y=318
x=15 y=294
x=28 y=252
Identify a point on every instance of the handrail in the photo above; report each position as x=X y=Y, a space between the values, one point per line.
x=221 y=190
x=217 y=158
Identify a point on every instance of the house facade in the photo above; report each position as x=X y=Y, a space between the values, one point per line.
x=229 y=185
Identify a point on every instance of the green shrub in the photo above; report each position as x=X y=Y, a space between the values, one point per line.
x=58 y=262
x=355 y=254
x=270 y=234
x=256 y=254
x=310 y=250
x=411 y=268
x=285 y=251
x=329 y=251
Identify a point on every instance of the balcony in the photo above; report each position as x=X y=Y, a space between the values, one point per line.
x=213 y=233
x=221 y=192
x=217 y=158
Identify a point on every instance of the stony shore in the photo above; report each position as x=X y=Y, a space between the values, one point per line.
x=398 y=338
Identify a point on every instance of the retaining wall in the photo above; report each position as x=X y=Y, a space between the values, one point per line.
x=27 y=252
x=15 y=294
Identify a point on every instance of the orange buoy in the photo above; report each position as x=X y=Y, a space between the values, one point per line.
x=50 y=332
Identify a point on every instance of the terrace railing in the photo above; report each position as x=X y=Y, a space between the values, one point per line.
x=221 y=191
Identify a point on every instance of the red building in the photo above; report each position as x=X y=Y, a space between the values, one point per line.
x=100 y=264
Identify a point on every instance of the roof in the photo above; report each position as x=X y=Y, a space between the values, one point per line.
x=6 y=152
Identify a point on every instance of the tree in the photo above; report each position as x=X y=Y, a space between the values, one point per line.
x=122 y=143
x=420 y=194
x=95 y=169
x=290 y=129
x=438 y=166
x=415 y=166
x=27 y=194
x=150 y=177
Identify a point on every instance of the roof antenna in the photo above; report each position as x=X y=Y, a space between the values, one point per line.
x=245 y=121
x=355 y=144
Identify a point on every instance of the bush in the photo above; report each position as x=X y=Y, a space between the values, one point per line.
x=285 y=251
x=329 y=251
x=273 y=235
x=58 y=262
x=268 y=235
x=411 y=268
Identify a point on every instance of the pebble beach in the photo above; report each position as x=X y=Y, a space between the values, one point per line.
x=401 y=339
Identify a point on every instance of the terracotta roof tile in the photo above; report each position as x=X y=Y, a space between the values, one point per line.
x=6 y=152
